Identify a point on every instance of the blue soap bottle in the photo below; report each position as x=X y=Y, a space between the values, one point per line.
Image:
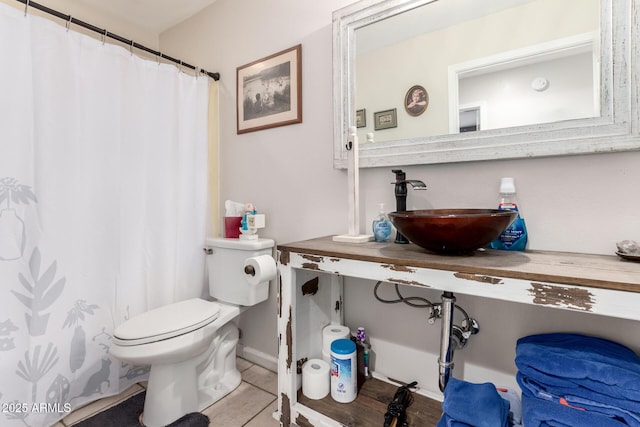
x=515 y=237
x=382 y=226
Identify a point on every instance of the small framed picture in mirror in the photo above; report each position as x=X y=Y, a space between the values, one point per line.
x=416 y=100
x=361 y=118
x=385 y=119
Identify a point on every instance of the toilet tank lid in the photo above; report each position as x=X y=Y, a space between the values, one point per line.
x=240 y=244
x=169 y=320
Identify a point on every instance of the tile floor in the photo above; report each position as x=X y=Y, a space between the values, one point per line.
x=250 y=405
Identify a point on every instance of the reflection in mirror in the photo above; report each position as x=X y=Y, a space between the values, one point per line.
x=545 y=83
x=498 y=63
x=594 y=111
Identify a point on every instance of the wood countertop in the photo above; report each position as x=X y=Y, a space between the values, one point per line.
x=598 y=271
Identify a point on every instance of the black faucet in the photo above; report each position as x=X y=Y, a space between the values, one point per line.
x=401 y=196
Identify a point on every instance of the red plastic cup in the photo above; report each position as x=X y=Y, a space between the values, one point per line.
x=232 y=226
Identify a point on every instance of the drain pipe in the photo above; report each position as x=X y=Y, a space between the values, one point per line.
x=448 y=341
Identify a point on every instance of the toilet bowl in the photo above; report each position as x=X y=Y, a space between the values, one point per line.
x=191 y=344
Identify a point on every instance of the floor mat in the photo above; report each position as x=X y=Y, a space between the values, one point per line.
x=126 y=414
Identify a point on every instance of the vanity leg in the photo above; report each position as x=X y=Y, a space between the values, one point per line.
x=287 y=396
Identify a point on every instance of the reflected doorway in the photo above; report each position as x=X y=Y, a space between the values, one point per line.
x=470 y=118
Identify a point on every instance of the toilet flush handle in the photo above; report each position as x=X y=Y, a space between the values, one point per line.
x=248 y=269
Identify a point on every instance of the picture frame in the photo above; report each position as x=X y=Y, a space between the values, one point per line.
x=416 y=100
x=385 y=119
x=361 y=118
x=269 y=91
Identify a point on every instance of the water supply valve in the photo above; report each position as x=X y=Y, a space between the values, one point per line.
x=470 y=327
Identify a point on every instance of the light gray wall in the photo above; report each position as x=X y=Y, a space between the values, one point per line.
x=575 y=203
x=302 y=199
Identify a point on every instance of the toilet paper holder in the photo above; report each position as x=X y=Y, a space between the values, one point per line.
x=248 y=269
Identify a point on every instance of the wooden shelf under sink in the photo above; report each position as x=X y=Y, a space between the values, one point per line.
x=370 y=406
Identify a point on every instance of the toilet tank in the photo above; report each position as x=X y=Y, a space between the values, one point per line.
x=227 y=279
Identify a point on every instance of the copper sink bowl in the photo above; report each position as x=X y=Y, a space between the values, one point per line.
x=452 y=230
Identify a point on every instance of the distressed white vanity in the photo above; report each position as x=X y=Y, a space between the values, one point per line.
x=310 y=288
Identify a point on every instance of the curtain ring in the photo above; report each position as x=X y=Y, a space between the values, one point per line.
x=180 y=67
x=131 y=48
x=159 y=57
x=104 y=37
x=69 y=23
x=26 y=6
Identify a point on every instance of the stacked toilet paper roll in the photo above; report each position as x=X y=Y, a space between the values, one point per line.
x=329 y=334
x=261 y=268
x=315 y=379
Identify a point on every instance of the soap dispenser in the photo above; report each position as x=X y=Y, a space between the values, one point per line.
x=382 y=226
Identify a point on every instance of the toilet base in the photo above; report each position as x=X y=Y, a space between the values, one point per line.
x=202 y=381
x=219 y=374
x=158 y=412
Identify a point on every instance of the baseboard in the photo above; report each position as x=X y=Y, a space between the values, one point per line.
x=258 y=357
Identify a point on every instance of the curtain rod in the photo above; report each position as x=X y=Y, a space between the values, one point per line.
x=105 y=33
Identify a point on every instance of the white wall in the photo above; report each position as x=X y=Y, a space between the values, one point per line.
x=574 y=203
x=302 y=199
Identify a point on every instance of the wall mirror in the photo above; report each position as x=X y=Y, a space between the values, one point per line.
x=502 y=79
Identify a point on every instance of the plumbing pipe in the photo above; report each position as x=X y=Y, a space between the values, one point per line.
x=448 y=341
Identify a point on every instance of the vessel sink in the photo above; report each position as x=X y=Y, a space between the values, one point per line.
x=452 y=230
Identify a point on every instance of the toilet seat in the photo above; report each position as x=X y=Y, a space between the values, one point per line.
x=166 y=322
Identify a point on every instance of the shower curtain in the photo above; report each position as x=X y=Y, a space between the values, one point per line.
x=103 y=209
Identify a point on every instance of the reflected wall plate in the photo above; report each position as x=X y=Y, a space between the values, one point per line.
x=539 y=84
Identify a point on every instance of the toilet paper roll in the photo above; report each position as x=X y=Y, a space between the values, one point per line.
x=258 y=269
x=331 y=333
x=315 y=379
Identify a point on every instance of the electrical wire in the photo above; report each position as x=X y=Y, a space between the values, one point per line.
x=396 y=415
x=407 y=300
x=424 y=303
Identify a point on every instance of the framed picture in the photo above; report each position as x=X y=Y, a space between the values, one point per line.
x=269 y=91
x=361 y=118
x=416 y=100
x=385 y=119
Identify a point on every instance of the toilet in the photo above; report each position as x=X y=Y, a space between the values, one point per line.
x=191 y=344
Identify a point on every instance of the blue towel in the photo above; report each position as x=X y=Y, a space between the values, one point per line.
x=544 y=413
x=587 y=365
x=598 y=403
x=477 y=405
x=604 y=405
x=447 y=421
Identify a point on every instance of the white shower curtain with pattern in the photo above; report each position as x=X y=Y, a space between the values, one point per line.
x=103 y=209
